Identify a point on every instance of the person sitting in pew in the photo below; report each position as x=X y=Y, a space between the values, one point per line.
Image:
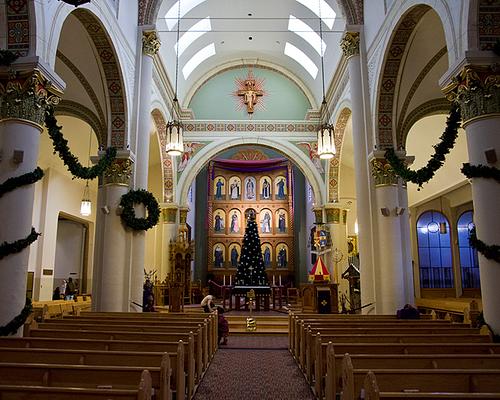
x=408 y=312
x=208 y=304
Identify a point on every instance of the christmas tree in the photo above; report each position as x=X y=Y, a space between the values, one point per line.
x=251 y=271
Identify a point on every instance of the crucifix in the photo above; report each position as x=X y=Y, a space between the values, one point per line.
x=250 y=94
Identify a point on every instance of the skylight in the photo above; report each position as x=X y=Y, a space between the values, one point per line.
x=307 y=33
x=299 y=56
x=172 y=14
x=197 y=59
x=321 y=8
x=197 y=30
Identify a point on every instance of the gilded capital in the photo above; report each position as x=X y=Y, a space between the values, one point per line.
x=150 y=43
x=350 y=44
x=119 y=172
x=318 y=215
x=169 y=215
x=383 y=172
x=477 y=89
x=183 y=211
x=26 y=96
x=333 y=215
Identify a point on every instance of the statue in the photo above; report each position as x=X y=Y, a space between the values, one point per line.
x=250 y=189
x=234 y=257
x=282 y=257
x=266 y=189
x=267 y=257
x=282 y=222
x=250 y=95
x=235 y=226
x=219 y=223
x=235 y=190
x=218 y=191
x=266 y=223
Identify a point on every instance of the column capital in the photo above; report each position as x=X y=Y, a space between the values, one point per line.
x=120 y=170
x=382 y=171
x=350 y=44
x=477 y=89
x=336 y=213
x=169 y=213
x=318 y=215
x=150 y=43
x=183 y=211
x=25 y=95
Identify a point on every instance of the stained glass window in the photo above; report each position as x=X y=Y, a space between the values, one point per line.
x=469 y=265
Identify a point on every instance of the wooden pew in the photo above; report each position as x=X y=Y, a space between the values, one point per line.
x=398 y=361
x=423 y=380
x=89 y=376
x=21 y=392
x=103 y=358
x=372 y=392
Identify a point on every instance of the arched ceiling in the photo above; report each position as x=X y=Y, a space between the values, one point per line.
x=250 y=32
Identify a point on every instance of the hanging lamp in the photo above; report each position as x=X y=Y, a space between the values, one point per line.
x=86 y=204
x=326 y=131
x=174 y=131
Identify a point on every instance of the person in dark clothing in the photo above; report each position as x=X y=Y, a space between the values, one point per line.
x=223 y=327
x=408 y=312
x=70 y=289
x=57 y=294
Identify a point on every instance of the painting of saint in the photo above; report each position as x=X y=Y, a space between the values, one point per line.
x=265 y=223
x=235 y=222
x=218 y=256
x=219 y=188
x=234 y=189
x=281 y=185
x=282 y=260
x=266 y=189
x=282 y=222
x=234 y=257
x=266 y=255
x=219 y=221
x=250 y=188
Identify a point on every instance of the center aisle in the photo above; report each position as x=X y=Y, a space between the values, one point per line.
x=254 y=367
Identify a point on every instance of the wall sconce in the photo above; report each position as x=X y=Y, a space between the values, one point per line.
x=442 y=228
x=105 y=209
x=18 y=156
x=491 y=156
x=400 y=210
x=119 y=210
x=385 y=211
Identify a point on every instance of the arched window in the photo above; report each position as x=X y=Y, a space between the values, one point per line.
x=469 y=265
x=434 y=250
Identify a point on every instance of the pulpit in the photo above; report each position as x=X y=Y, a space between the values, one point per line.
x=320 y=297
x=179 y=280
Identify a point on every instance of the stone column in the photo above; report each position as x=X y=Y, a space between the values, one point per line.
x=350 y=45
x=404 y=220
x=111 y=283
x=477 y=90
x=24 y=99
x=391 y=266
x=169 y=231
x=337 y=259
x=150 y=47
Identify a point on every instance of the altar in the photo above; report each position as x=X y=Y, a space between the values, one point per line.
x=262 y=297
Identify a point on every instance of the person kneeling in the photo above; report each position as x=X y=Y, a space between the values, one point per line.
x=223 y=327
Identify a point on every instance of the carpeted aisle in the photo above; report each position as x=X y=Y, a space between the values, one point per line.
x=254 y=371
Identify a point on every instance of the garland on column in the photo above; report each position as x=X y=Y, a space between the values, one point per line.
x=22 y=180
x=7 y=57
x=490 y=252
x=128 y=214
x=481 y=171
x=7 y=248
x=74 y=166
x=447 y=142
x=18 y=321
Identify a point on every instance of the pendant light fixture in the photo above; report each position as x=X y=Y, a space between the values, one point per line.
x=175 y=144
x=326 y=132
x=86 y=204
x=443 y=229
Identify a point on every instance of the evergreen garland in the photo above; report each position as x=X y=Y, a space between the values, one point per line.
x=74 y=166
x=18 y=321
x=22 y=180
x=481 y=171
x=7 y=248
x=7 y=57
x=128 y=213
x=490 y=252
x=447 y=142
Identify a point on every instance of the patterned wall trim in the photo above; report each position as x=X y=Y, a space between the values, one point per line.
x=488 y=23
x=477 y=89
x=255 y=126
x=333 y=187
x=114 y=81
x=166 y=160
x=400 y=139
x=18 y=26
x=74 y=109
x=90 y=92
x=391 y=74
x=431 y=107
